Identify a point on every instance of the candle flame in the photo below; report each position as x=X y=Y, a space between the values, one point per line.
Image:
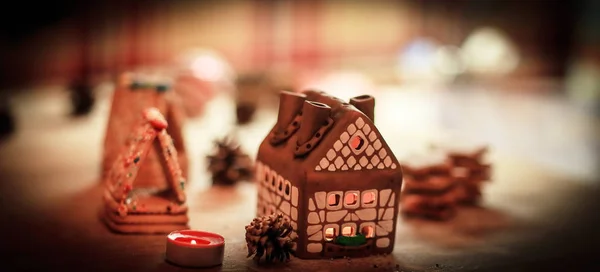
x=193 y=242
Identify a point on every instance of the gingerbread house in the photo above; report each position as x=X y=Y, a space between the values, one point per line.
x=326 y=167
x=135 y=202
x=134 y=93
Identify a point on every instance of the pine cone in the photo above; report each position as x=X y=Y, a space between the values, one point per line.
x=271 y=234
x=229 y=164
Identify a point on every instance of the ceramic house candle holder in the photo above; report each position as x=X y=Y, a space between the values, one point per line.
x=134 y=93
x=135 y=202
x=326 y=167
x=429 y=190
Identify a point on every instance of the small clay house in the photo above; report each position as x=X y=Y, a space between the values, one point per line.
x=135 y=202
x=326 y=167
x=134 y=93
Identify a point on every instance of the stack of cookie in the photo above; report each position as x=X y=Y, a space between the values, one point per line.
x=428 y=189
x=133 y=93
x=140 y=203
x=469 y=169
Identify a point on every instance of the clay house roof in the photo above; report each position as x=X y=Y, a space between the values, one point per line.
x=121 y=182
x=135 y=92
x=319 y=133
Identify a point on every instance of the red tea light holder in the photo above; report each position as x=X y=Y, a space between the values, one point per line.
x=192 y=248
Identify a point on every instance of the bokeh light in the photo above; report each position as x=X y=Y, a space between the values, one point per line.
x=417 y=59
x=206 y=65
x=200 y=75
x=489 y=51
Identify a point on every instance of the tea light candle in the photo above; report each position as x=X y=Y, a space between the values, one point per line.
x=194 y=248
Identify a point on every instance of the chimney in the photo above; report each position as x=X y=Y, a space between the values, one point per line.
x=314 y=116
x=290 y=104
x=365 y=104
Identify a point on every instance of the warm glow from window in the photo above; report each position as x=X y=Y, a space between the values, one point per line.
x=334 y=200
x=368 y=198
x=348 y=231
x=357 y=142
x=351 y=198
x=329 y=234
x=367 y=231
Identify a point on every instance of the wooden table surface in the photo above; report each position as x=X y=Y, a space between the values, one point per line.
x=534 y=216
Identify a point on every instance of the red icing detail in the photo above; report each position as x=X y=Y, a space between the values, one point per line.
x=127 y=188
x=128 y=161
x=122 y=210
x=156 y=119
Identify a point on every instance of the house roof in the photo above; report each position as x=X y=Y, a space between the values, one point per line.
x=342 y=138
x=126 y=167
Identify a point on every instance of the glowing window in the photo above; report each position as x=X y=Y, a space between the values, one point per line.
x=330 y=234
x=357 y=142
x=368 y=198
x=368 y=231
x=348 y=231
x=351 y=199
x=333 y=200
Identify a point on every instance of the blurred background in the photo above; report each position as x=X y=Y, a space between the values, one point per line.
x=523 y=76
